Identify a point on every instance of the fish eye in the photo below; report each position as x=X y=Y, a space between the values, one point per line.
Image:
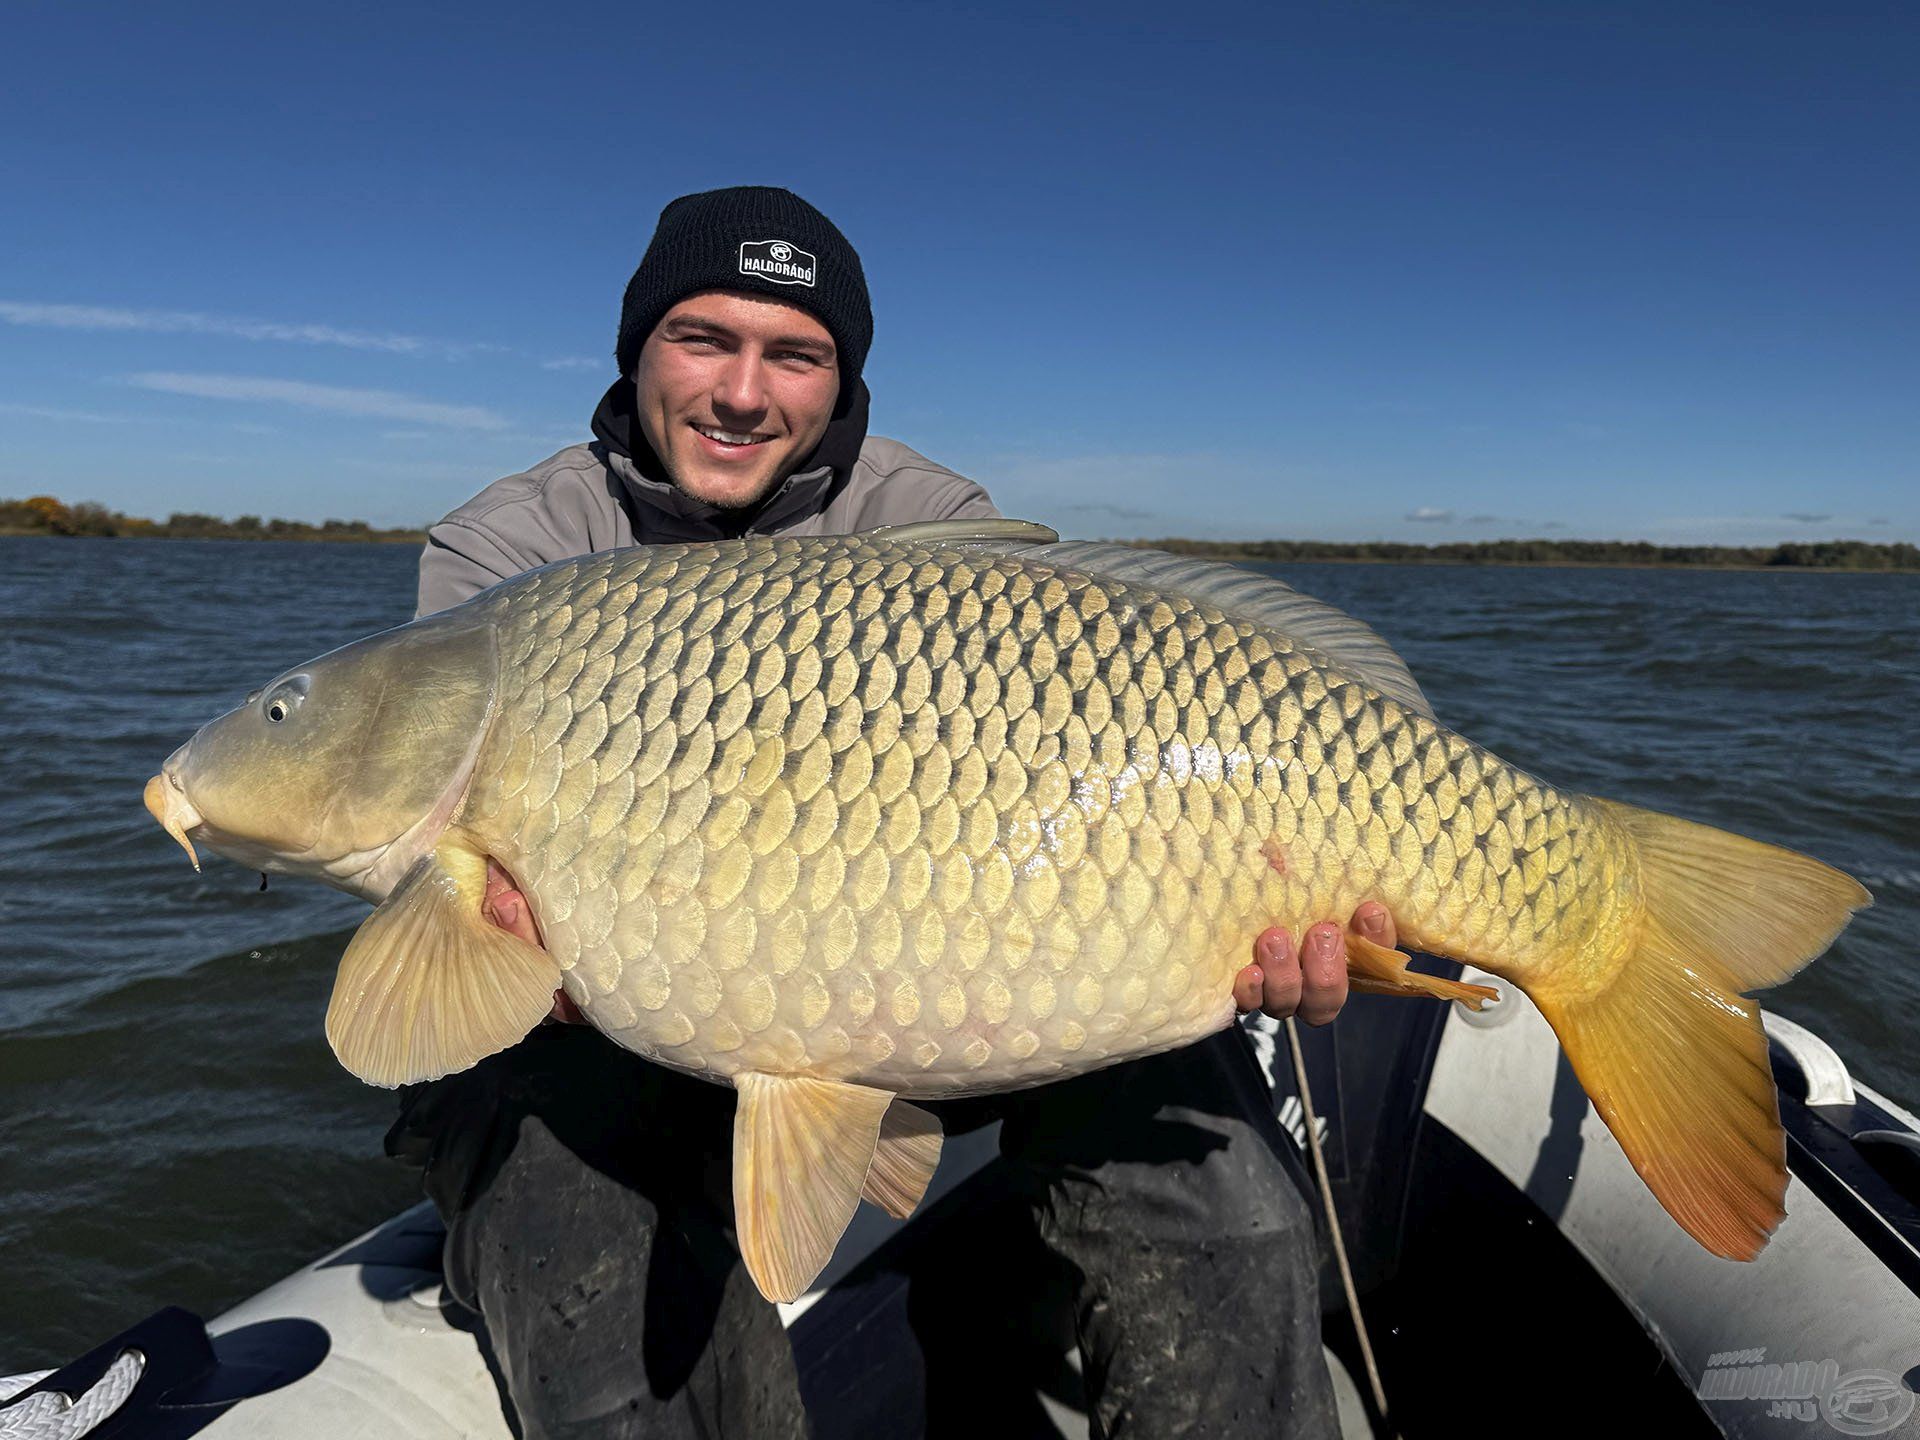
x=283 y=699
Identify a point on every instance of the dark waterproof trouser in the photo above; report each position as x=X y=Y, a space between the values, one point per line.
x=587 y=1196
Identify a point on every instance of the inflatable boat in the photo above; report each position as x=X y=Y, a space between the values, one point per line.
x=1514 y=1276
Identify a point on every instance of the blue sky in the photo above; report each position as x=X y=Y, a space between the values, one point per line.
x=1336 y=270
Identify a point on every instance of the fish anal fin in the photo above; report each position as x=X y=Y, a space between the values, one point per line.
x=428 y=985
x=1375 y=970
x=802 y=1149
x=904 y=1160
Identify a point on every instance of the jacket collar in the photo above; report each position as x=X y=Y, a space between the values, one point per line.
x=663 y=512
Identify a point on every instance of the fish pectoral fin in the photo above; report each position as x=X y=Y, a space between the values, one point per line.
x=802 y=1149
x=904 y=1160
x=1375 y=970
x=428 y=986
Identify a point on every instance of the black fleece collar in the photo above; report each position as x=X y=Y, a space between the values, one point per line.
x=820 y=475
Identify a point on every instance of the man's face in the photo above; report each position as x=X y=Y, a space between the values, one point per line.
x=733 y=392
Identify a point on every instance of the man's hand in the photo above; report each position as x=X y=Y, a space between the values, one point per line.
x=1311 y=983
x=506 y=907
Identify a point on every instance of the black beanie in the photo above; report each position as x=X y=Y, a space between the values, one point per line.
x=759 y=239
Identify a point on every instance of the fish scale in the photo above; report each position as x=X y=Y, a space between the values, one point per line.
x=942 y=822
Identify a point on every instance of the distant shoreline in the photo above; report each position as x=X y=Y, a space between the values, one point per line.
x=1229 y=553
x=1440 y=561
x=318 y=535
x=46 y=515
x=49 y=518
x=1845 y=556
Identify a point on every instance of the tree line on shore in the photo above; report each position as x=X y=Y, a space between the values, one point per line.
x=44 y=515
x=1792 y=554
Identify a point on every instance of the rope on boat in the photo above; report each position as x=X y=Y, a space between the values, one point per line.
x=1333 y=1222
x=50 y=1415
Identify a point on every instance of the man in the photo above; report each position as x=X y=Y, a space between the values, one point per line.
x=586 y=1190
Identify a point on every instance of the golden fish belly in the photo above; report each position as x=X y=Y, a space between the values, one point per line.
x=943 y=822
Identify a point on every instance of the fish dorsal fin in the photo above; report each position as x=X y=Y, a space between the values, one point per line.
x=1351 y=644
x=904 y=1160
x=801 y=1151
x=995 y=533
x=428 y=986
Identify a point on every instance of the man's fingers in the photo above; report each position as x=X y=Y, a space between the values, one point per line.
x=1323 y=974
x=1375 y=921
x=1265 y=983
x=505 y=906
x=1279 y=973
x=1246 y=989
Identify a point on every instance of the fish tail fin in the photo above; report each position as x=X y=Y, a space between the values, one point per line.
x=1671 y=1053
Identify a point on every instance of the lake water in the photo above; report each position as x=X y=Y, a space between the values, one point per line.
x=173 y=1128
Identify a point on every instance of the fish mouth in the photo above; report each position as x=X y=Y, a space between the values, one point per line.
x=168 y=804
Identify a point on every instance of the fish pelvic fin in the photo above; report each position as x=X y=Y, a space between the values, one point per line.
x=1669 y=1048
x=904 y=1159
x=801 y=1152
x=428 y=985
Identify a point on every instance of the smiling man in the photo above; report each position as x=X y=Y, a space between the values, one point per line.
x=740 y=410
x=587 y=1191
x=766 y=372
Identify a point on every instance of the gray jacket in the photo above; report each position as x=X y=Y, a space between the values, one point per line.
x=590 y=498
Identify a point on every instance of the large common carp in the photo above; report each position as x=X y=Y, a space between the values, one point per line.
x=949 y=809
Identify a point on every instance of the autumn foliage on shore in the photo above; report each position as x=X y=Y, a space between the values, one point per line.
x=45 y=515
x=1792 y=554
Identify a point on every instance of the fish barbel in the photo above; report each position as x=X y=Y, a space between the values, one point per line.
x=950 y=809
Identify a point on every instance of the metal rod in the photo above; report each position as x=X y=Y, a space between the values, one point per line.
x=1333 y=1222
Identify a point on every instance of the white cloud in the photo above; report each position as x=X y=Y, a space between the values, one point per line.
x=1115 y=512
x=77 y=417
x=95 y=417
x=417 y=469
x=335 y=399
x=1125 y=495
x=576 y=362
x=1431 y=515
x=118 y=319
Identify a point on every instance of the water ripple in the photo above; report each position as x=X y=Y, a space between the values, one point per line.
x=160 y=1037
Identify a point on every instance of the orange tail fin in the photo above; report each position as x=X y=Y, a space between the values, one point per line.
x=1669 y=1049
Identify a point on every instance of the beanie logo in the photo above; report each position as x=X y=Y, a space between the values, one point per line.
x=777 y=261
